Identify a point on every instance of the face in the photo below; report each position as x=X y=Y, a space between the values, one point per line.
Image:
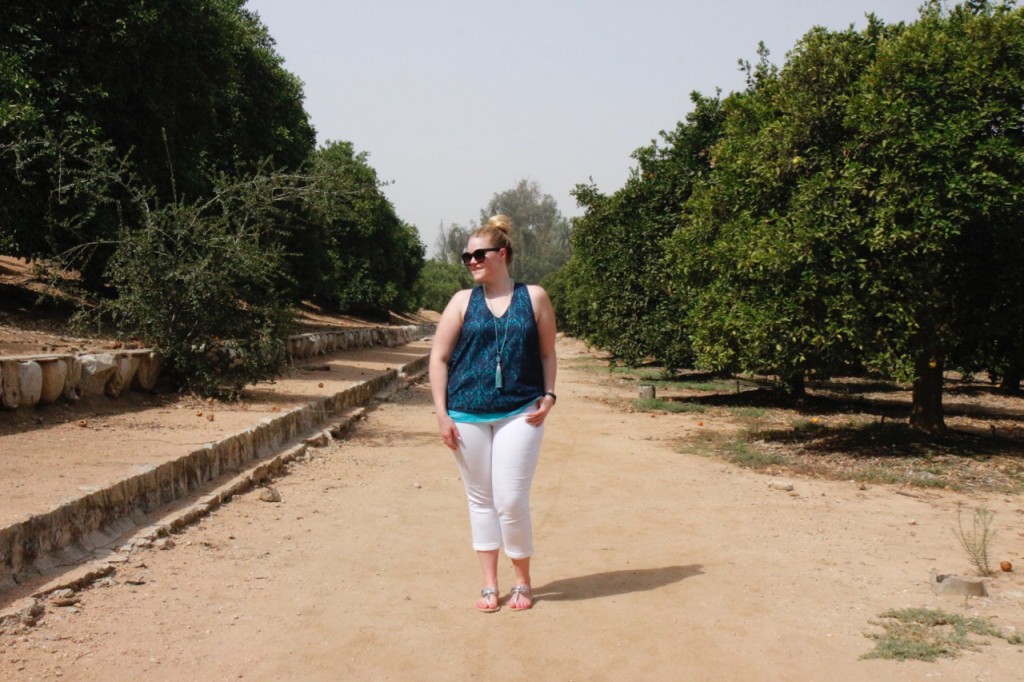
x=485 y=261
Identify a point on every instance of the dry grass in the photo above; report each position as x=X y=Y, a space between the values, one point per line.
x=847 y=429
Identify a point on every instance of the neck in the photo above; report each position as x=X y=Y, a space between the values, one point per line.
x=500 y=287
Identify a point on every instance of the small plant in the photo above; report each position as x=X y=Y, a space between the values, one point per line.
x=927 y=634
x=978 y=540
x=742 y=454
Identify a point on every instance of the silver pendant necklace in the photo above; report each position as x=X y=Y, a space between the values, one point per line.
x=498 y=381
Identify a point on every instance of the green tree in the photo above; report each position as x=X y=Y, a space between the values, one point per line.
x=353 y=253
x=451 y=242
x=439 y=281
x=935 y=179
x=617 y=290
x=181 y=89
x=541 y=234
x=775 y=283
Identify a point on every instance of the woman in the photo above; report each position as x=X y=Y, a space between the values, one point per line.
x=492 y=376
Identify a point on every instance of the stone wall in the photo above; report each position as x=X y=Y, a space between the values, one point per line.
x=28 y=381
x=36 y=544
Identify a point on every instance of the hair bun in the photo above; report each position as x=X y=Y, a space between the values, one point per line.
x=500 y=222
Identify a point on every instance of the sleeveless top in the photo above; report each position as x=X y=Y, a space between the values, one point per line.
x=471 y=370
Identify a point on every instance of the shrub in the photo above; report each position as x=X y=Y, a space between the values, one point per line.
x=203 y=284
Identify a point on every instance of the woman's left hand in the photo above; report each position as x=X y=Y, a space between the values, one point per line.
x=544 y=406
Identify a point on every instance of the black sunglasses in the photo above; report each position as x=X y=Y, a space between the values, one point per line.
x=477 y=255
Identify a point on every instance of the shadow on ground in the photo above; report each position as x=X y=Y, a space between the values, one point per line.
x=615 y=582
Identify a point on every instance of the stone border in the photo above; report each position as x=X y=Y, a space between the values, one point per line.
x=30 y=380
x=37 y=544
x=89 y=566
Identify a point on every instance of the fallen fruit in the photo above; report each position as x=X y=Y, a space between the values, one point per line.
x=199 y=413
x=209 y=417
x=1006 y=566
x=321 y=384
x=83 y=423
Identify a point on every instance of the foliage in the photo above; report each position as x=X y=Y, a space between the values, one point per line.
x=934 y=180
x=977 y=542
x=772 y=287
x=136 y=142
x=619 y=292
x=180 y=90
x=353 y=253
x=88 y=194
x=439 y=281
x=857 y=208
x=201 y=282
x=451 y=242
x=928 y=634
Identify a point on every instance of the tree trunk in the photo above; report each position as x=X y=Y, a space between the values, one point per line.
x=794 y=386
x=926 y=414
x=1011 y=379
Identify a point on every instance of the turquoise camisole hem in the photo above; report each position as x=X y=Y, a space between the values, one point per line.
x=469 y=417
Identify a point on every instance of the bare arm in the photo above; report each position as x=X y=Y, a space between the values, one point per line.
x=544 y=313
x=445 y=338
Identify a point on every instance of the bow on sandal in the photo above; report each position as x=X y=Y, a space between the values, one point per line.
x=484 y=604
x=520 y=592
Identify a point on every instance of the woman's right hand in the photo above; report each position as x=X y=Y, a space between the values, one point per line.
x=449 y=432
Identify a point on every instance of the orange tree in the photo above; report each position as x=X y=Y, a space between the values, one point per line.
x=775 y=285
x=933 y=187
x=865 y=208
x=616 y=290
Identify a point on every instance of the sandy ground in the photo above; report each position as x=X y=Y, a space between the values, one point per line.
x=651 y=565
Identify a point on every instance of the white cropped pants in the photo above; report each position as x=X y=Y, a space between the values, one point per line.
x=497 y=461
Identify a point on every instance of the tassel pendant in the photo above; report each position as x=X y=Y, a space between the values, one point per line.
x=497 y=375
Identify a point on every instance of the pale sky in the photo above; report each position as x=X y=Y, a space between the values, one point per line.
x=457 y=100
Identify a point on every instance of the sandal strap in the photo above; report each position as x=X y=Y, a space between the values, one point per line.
x=489 y=592
x=523 y=590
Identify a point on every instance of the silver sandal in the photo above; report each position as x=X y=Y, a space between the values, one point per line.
x=517 y=592
x=486 y=593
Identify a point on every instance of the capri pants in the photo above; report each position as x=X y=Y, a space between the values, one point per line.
x=497 y=461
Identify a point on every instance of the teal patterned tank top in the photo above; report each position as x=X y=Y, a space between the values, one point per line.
x=472 y=381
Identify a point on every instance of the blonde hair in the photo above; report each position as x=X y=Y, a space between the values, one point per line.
x=496 y=230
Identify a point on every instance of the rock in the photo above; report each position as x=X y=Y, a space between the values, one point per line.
x=30 y=615
x=30 y=379
x=10 y=384
x=148 y=371
x=73 y=382
x=126 y=367
x=55 y=376
x=954 y=585
x=97 y=370
x=164 y=543
x=780 y=485
x=270 y=494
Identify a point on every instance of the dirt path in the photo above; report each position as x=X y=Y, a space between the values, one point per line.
x=651 y=565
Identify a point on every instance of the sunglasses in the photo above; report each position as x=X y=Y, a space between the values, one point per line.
x=477 y=255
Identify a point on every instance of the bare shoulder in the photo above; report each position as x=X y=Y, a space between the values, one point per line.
x=457 y=305
x=461 y=297
x=539 y=299
x=537 y=293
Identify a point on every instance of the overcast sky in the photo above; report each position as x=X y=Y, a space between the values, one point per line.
x=457 y=100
